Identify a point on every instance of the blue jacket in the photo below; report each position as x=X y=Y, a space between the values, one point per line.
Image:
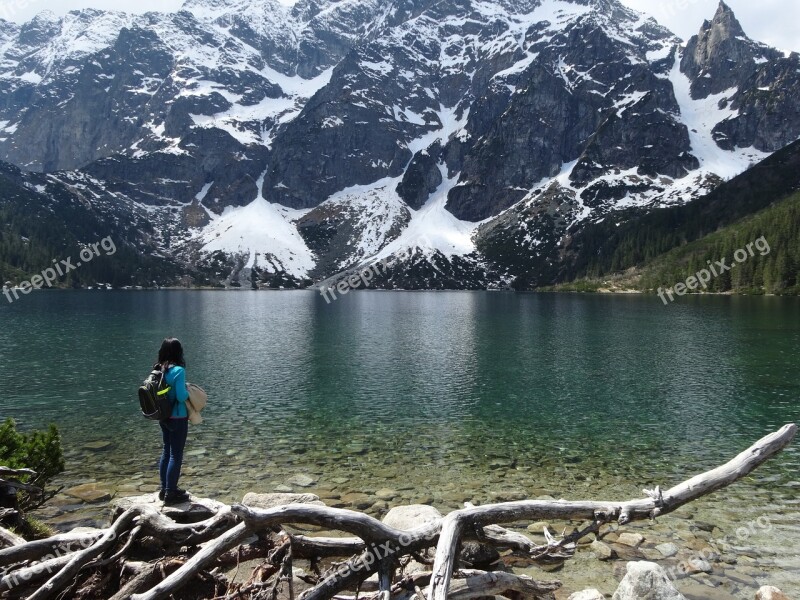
x=176 y=379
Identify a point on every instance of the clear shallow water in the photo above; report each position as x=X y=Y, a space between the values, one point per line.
x=442 y=397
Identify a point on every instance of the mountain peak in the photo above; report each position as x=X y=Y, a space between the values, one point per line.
x=725 y=22
x=720 y=56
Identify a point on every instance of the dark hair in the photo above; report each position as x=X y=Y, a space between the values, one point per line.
x=171 y=352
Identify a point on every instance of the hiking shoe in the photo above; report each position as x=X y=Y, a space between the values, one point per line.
x=177 y=497
x=162 y=492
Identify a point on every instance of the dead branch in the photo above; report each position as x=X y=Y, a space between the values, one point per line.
x=8 y=538
x=35 y=550
x=199 y=561
x=624 y=512
x=77 y=561
x=498 y=583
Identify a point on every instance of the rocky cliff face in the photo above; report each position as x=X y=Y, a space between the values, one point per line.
x=457 y=138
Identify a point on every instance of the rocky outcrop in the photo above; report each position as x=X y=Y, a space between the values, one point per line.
x=767 y=112
x=721 y=56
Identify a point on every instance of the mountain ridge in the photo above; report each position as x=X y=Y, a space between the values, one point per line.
x=351 y=132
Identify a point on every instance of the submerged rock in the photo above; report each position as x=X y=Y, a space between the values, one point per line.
x=769 y=592
x=602 y=551
x=302 y=480
x=386 y=494
x=90 y=492
x=634 y=540
x=668 y=549
x=99 y=446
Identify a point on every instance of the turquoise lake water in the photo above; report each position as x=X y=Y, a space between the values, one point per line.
x=443 y=397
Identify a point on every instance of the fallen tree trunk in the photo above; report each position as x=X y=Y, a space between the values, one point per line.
x=375 y=548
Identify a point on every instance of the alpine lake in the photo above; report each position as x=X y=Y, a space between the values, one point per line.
x=386 y=398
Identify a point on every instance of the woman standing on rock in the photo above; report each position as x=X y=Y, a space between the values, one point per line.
x=176 y=428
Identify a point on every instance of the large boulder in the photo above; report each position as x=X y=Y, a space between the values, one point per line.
x=412 y=516
x=646 y=581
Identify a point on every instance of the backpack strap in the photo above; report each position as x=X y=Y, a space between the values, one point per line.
x=165 y=367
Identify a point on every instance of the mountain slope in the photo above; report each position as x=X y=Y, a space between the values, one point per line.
x=634 y=239
x=773 y=267
x=43 y=223
x=760 y=254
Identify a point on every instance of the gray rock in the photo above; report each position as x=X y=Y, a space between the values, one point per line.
x=590 y=594
x=302 y=480
x=602 y=551
x=634 y=540
x=698 y=565
x=386 y=494
x=668 y=549
x=646 y=581
x=769 y=592
x=255 y=500
x=412 y=516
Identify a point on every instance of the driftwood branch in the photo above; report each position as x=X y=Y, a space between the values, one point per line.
x=66 y=542
x=624 y=512
x=57 y=583
x=236 y=532
x=478 y=584
x=206 y=556
x=9 y=538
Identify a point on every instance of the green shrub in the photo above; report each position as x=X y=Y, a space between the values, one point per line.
x=38 y=450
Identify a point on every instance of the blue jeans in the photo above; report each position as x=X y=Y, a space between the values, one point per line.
x=174 y=434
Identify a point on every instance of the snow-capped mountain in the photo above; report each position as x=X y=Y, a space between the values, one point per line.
x=456 y=138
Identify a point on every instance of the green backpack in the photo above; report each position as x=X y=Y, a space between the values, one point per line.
x=154 y=396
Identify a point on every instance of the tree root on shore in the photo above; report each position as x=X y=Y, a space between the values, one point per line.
x=146 y=555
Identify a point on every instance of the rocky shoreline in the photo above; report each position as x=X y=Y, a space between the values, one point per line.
x=680 y=556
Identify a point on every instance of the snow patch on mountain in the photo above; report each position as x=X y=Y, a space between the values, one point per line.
x=374 y=210
x=81 y=34
x=701 y=116
x=262 y=232
x=434 y=229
